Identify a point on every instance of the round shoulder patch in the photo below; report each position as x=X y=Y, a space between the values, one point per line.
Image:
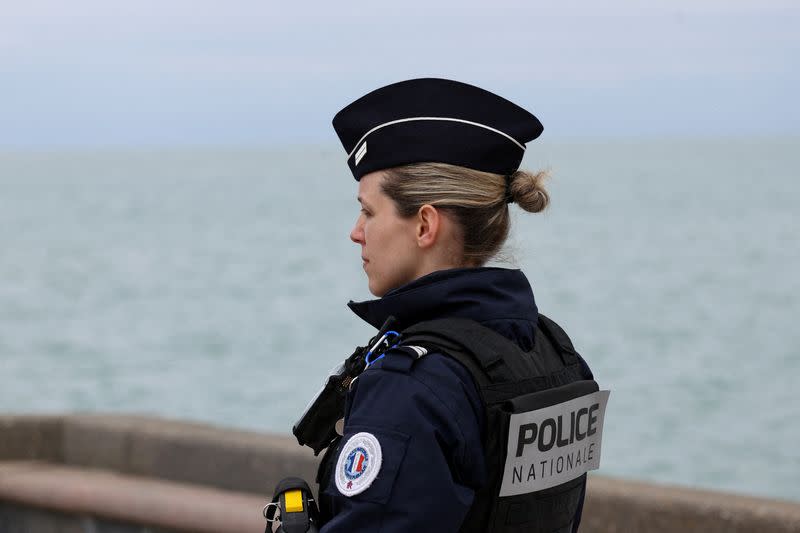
x=359 y=463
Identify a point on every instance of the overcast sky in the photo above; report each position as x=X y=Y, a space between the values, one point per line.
x=99 y=72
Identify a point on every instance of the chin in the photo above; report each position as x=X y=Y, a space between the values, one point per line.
x=380 y=286
x=377 y=290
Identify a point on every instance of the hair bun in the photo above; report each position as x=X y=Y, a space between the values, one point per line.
x=527 y=190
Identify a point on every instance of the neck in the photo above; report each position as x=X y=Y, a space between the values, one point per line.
x=430 y=264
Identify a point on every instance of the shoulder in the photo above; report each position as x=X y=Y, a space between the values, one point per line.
x=401 y=389
x=408 y=437
x=436 y=372
x=433 y=406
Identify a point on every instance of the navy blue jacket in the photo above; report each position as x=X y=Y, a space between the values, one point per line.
x=429 y=420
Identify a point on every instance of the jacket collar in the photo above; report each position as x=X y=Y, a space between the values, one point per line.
x=499 y=298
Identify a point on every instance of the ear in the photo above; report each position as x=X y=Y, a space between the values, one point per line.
x=429 y=222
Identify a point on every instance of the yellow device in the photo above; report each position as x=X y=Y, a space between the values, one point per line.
x=293 y=509
x=294 y=501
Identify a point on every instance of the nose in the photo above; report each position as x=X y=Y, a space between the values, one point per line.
x=357 y=233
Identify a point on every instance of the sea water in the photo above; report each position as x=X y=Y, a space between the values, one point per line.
x=210 y=284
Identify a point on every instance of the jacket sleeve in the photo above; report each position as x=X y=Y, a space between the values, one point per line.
x=427 y=422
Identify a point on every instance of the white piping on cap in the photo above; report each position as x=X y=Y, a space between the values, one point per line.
x=444 y=119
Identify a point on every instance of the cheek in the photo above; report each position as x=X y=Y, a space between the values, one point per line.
x=389 y=236
x=376 y=232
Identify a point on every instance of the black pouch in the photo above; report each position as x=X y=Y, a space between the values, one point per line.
x=316 y=427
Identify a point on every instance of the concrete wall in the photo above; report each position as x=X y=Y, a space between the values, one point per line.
x=130 y=474
x=152 y=447
x=24 y=519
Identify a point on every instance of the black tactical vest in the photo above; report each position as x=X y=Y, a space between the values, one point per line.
x=510 y=381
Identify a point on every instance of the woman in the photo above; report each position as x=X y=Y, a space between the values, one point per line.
x=437 y=165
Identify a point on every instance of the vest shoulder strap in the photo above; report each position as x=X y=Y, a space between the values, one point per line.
x=480 y=349
x=498 y=365
x=558 y=337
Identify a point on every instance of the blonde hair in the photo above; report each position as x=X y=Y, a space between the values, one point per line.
x=478 y=201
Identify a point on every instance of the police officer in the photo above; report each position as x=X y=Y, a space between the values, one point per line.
x=427 y=428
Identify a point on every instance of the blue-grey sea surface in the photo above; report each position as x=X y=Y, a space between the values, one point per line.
x=210 y=284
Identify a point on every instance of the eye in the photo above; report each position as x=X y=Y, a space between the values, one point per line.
x=365 y=212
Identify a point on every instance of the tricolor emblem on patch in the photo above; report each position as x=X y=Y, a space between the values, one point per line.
x=359 y=463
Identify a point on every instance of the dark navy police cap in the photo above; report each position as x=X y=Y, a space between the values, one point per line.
x=434 y=120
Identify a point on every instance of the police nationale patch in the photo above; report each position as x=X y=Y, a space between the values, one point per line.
x=359 y=463
x=553 y=445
